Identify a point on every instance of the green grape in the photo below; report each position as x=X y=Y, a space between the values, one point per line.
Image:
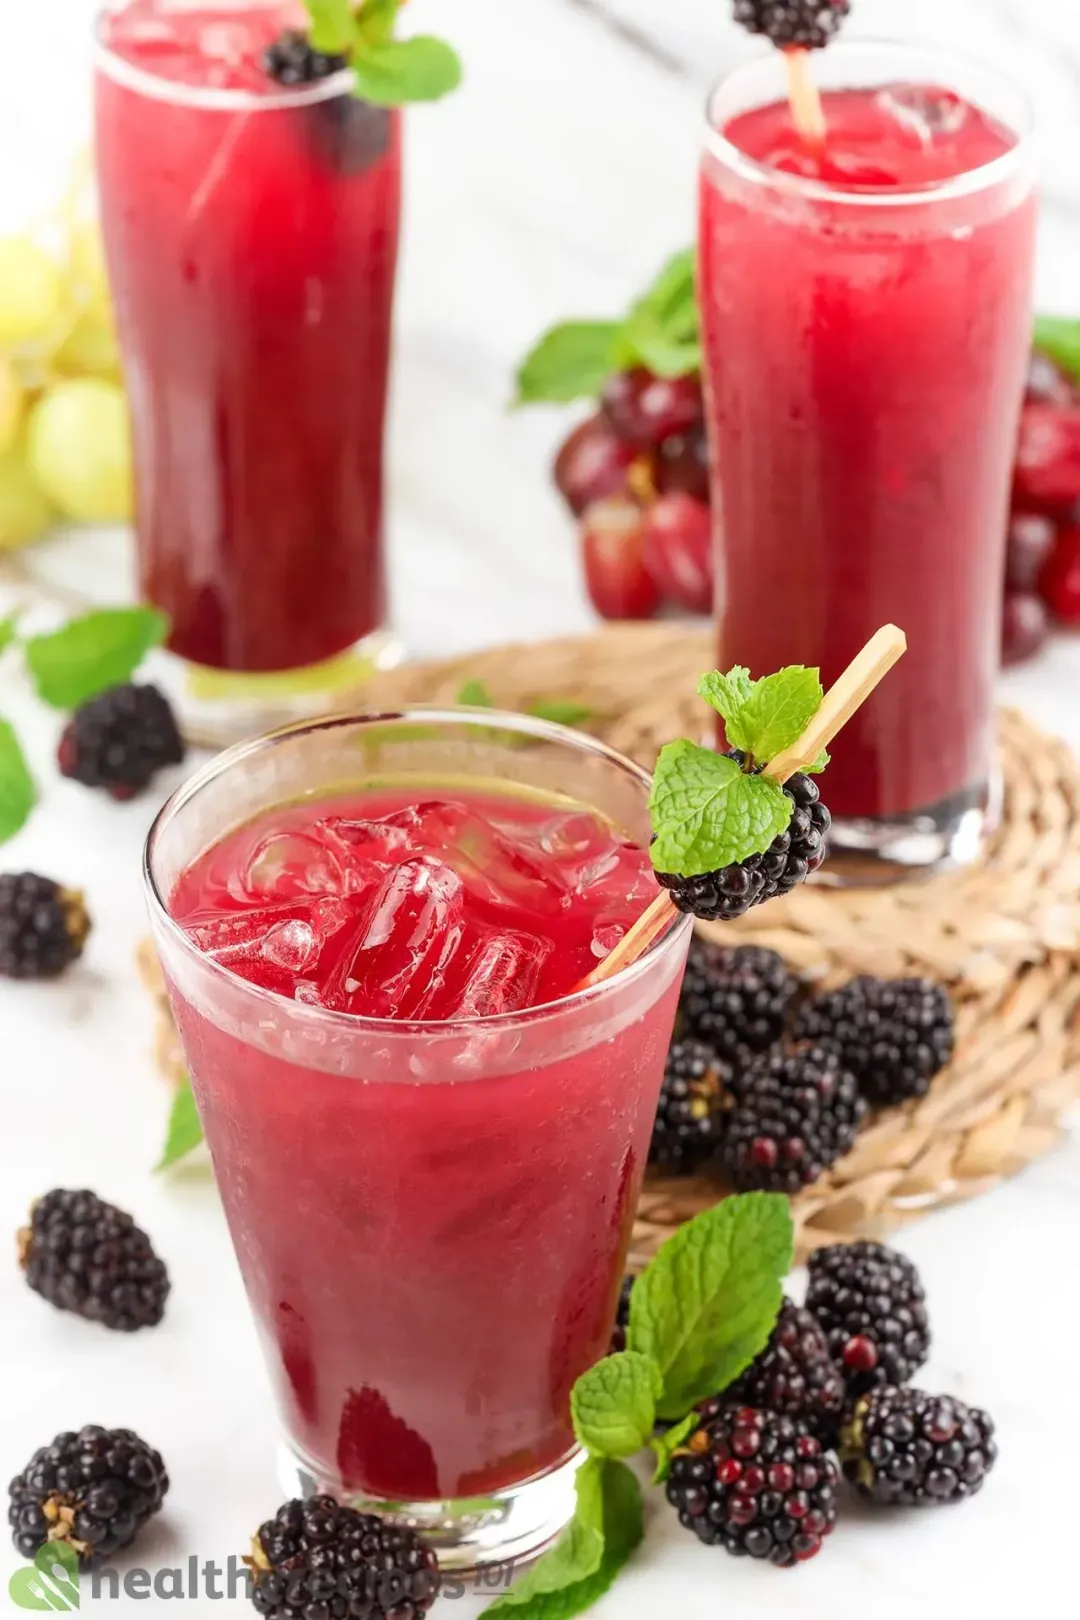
x=31 y=290
x=79 y=448
x=25 y=512
x=90 y=347
x=11 y=404
x=87 y=262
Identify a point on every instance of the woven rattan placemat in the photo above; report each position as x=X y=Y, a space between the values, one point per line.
x=1003 y=935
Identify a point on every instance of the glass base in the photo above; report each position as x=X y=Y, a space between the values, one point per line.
x=872 y=850
x=497 y=1532
x=216 y=707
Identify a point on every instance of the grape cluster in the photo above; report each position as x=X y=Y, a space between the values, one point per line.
x=636 y=476
x=65 y=451
x=1042 y=571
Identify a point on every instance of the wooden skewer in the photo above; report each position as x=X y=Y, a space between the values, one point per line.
x=805 y=98
x=838 y=705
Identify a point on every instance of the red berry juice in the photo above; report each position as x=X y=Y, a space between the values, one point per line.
x=251 y=235
x=433 y=1241
x=866 y=336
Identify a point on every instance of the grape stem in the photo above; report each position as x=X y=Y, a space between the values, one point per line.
x=840 y=702
x=805 y=99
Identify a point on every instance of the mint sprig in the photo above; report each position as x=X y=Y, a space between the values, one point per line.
x=707 y=810
x=699 y=1312
x=1059 y=339
x=91 y=653
x=18 y=795
x=474 y=694
x=184 y=1131
x=574 y=359
x=388 y=72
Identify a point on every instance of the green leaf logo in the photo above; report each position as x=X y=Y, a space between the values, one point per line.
x=52 y=1583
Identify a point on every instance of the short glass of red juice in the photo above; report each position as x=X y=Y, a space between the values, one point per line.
x=251 y=235
x=867 y=317
x=429 y=1141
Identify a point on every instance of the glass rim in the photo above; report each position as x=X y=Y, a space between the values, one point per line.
x=147 y=83
x=356 y=1023
x=981 y=178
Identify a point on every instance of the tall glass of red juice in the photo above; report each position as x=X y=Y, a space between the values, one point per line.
x=251 y=234
x=867 y=315
x=429 y=1142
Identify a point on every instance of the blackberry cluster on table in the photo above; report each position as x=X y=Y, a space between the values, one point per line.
x=120 y=739
x=756 y=1475
x=316 y=1558
x=736 y=1000
x=687 y=1127
x=43 y=926
x=86 y=1256
x=894 y=1035
x=795 y=1113
x=92 y=1491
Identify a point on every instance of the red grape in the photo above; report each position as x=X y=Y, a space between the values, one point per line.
x=1024 y=626
x=591 y=464
x=1047 y=472
x=1046 y=384
x=1059 y=581
x=1030 y=539
x=619 y=584
x=683 y=464
x=645 y=410
x=678 y=550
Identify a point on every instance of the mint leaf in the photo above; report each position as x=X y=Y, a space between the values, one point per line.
x=729 y=694
x=613 y=1405
x=392 y=71
x=706 y=812
x=558 y=1593
x=333 y=26
x=778 y=710
x=91 y=653
x=9 y=627
x=817 y=765
x=1059 y=339
x=18 y=795
x=184 y=1132
x=475 y=695
x=376 y=18
x=667 y=1444
x=572 y=361
x=562 y=714
x=575 y=1555
x=706 y=1305
x=662 y=330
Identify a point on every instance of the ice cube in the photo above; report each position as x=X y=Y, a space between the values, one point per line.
x=605 y=938
x=496 y=868
x=502 y=976
x=291 y=945
x=414 y=928
x=927 y=111
x=287 y=865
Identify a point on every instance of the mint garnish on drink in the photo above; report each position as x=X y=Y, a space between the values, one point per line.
x=387 y=71
x=699 y=1314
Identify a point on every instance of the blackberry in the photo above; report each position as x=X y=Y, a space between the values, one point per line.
x=806 y=23
x=292 y=59
x=315 y=1560
x=622 y=1317
x=757 y=1484
x=871 y=1306
x=795 y=1114
x=905 y=1448
x=93 y=1490
x=794 y=1374
x=43 y=927
x=730 y=891
x=120 y=739
x=85 y=1256
x=687 y=1125
x=895 y=1034
x=736 y=1000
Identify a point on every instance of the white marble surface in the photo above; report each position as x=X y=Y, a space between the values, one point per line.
x=554 y=184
